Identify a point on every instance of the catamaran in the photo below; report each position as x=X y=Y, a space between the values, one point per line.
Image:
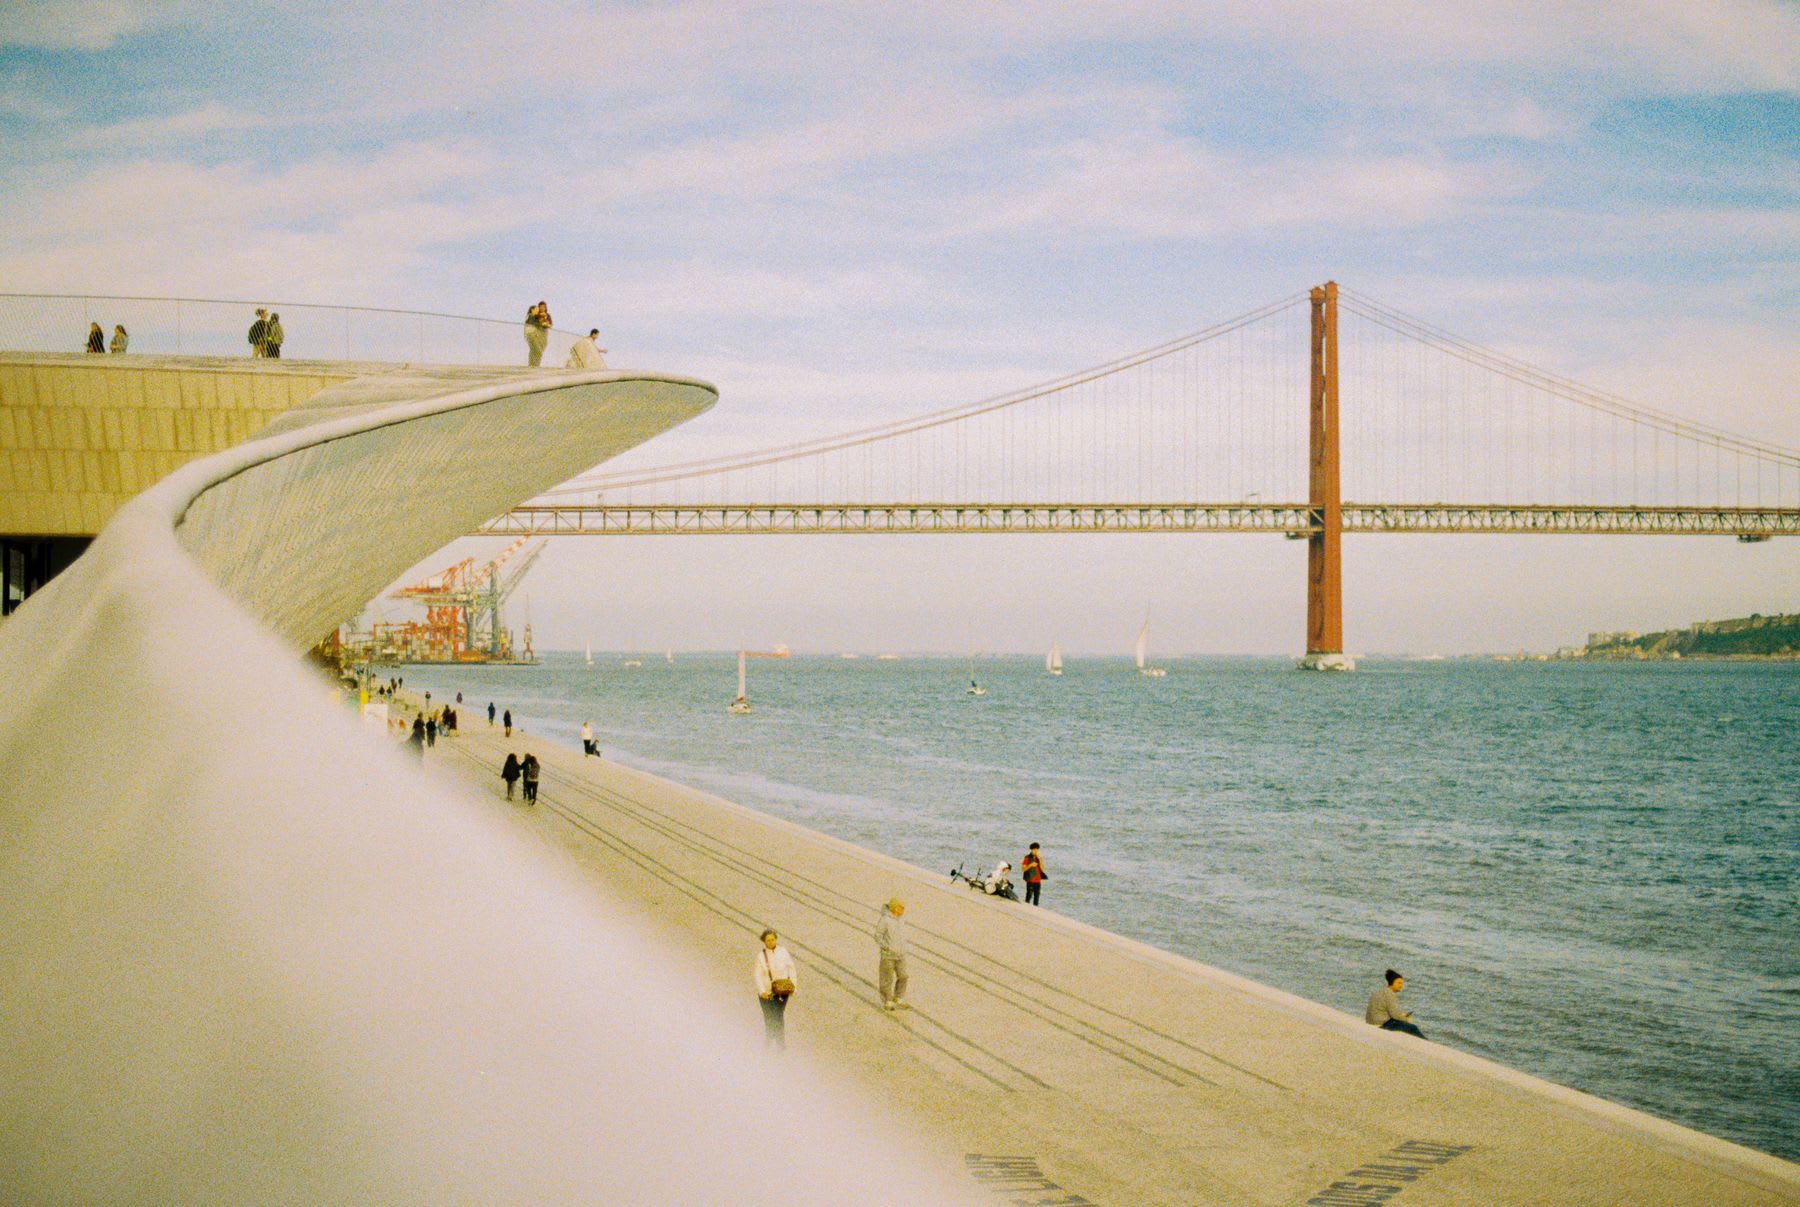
x=1053 y=660
x=1143 y=645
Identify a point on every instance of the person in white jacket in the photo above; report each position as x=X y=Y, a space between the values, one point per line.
x=775 y=982
x=585 y=354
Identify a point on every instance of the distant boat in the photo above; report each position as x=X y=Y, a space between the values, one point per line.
x=590 y=653
x=1053 y=661
x=632 y=662
x=887 y=657
x=848 y=657
x=1143 y=646
x=741 y=705
x=669 y=657
x=975 y=689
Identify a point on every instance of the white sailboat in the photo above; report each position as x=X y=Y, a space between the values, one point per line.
x=1143 y=646
x=975 y=689
x=741 y=705
x=590 y=653
x=669 y=657
x=1053 y=660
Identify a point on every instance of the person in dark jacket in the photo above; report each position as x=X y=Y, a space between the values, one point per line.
x=431 y=728
x=510 y=773
x=259 y=331
x=530 y=770
x=417 y=740
x=490 y=712
x=96 y=338
x=507 y=721
x=272 y=338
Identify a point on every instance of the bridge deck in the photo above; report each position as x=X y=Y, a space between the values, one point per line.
x=1293 y=519
x=1064 y=1065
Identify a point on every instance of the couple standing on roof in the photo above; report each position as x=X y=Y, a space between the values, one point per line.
x=586 y=354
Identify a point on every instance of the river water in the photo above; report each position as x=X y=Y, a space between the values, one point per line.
x=1588 y=872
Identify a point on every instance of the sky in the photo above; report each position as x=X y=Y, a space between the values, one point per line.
x=843 y=214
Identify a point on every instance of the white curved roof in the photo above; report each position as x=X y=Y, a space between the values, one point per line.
x=250 y=954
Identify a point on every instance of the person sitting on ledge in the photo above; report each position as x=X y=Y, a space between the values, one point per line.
x=585 y=355
x=1384 y=1007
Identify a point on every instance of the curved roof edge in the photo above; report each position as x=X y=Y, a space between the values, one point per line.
x=254 y=953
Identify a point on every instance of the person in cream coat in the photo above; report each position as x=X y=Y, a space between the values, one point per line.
x=775 y=982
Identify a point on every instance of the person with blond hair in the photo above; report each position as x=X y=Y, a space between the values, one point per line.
x=890 y=942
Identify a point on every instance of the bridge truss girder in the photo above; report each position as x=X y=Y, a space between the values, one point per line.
x=1292 y=519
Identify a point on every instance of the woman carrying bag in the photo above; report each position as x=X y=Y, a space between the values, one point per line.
x=774 y=986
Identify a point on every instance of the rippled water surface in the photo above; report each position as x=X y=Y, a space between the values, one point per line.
x=1590 y=872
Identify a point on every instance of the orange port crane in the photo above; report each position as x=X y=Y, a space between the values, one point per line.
x=462 y=604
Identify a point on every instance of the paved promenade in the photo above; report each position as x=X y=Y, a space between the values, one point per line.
x=1064 y=1065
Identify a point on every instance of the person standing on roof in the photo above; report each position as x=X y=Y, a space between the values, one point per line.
x=585 y=354
x=258 y=332
x=537 y=333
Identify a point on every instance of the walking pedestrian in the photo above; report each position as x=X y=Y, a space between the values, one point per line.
x=1384 y=1007
x=1032 y=868
x=417 y=739
x=121 y=339
x=258 y=330
x=510 y=772
x=890 y=941
x=588 y=748
x=530 y=770
x=272 y=338
x=537 y=333
x=774 y=986
x=585 y=355
x=508 y=720
x=450 y=719
x=490 y=712
x=431 y=728
x=96 y=338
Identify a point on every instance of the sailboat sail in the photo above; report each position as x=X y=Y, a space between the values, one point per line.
x=590 y=653
x=1143 y=642
x=1053 y=660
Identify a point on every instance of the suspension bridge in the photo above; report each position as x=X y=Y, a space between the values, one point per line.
x=1320 y=414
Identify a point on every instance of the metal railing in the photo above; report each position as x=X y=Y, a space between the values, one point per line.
x=39 y=322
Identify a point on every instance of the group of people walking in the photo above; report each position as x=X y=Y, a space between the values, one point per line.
x=516 y=771
x=266 y=335
x=586 y=354
x=96 y=339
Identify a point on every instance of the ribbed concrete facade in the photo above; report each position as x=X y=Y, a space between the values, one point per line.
x=80 y=434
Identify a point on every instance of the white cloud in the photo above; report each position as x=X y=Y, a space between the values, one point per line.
x=148 y=131
x=1154 y=185
x=75 y=24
